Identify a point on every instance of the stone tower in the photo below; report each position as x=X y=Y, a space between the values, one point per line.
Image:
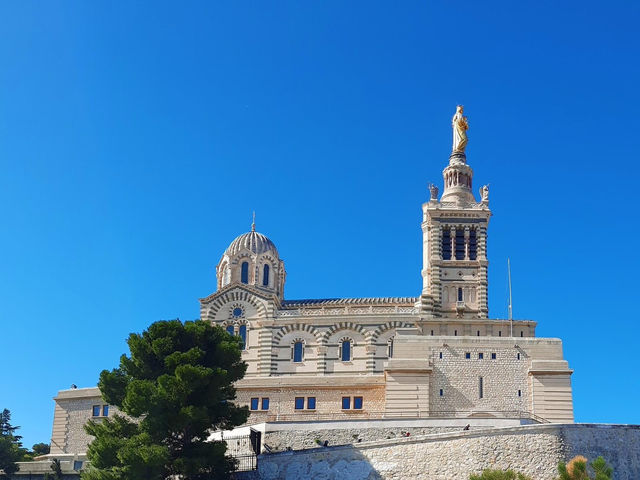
x=454 y=273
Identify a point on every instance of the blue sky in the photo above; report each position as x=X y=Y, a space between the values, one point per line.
x=136 y=139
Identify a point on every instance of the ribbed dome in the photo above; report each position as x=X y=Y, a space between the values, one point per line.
x=253 y=241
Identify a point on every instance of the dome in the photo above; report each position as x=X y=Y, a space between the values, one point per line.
x=253 y=241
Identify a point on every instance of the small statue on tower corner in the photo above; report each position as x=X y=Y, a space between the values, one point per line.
x=433 y=190
x=484 y=193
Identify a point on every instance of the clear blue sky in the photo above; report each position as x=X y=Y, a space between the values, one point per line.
x=136 y=138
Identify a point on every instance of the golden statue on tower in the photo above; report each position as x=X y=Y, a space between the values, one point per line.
x=460 y=127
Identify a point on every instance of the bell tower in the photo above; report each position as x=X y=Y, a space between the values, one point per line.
x=454 y=232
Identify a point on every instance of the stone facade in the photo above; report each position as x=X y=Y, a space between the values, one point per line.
x=434 y=355
x=73 y=409
x=534 y=450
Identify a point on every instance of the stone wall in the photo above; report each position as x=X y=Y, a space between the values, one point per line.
x=533 y=449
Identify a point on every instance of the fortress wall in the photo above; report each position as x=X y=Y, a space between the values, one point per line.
x=533 y=449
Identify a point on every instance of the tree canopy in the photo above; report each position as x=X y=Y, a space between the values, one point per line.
x=175 y=388
x=11 y=450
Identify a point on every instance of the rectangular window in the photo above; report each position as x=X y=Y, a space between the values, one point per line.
x=432 y=333
x=500 y=333
x=440 y=354
x=265 y=404
x=455 y=333
x=478 y=333
x=96 y=410
x=311 y=403
x=297 y=352
x=459 y=244
x=493 y=356
x=345 y=351
x=467 y=355
x=105 y=410
x=481 y=385
x=519 y=393
x=446 y=244
x=346 y=403
x=357 y=403
x=299 y=404
x=521 y=333
x=473 y=244
x=254 y=404
x=441 y=392
x=518 y=356
x=480 y=356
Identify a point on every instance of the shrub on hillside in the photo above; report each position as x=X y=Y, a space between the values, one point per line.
x=577 y=469
x=489 y=474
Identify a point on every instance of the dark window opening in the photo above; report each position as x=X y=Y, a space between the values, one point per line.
x=265 y=276
x=493 y=356
x=459 y=244
x=518 y=356
x=473 y=245
x=346 y=403
x=459 y=294
x=254 y=404
x=96 y=411
x=297 y=352
x=242 y=331
x=446 y=244
x=500 y=333
x=440 y=354
x=265 y=404
x=478 y=333
x=311 y=403
x=521 y=333
x=345 y=351
x=467 y=355
x=299 y=403
x=480 y=356
x=441 y=392
x=455 y=333
x=519 y=393
x=244 y=272
x=481 y=385
x=357 y=403
x=105 y=410
x=230 y=329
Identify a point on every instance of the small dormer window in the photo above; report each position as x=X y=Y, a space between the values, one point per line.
x=244 y=272
x=265 y=276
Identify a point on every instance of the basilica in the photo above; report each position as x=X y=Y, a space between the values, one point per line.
x=436 y=354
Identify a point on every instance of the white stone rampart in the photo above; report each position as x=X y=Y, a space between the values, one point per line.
x=532 y=449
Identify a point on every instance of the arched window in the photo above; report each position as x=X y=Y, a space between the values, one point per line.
x=230 y=329
x=459 y=294
x=345 y=350
x=242 y=331
x=265 y=276
x=297 y=351
x=244 y=272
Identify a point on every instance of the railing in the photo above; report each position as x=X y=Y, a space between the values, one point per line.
x=245 y=449
x=407 y=414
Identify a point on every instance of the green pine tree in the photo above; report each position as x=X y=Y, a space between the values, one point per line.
x=11 y=450
x=175 y=388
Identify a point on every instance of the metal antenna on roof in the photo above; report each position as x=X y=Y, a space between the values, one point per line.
x=253 y=224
